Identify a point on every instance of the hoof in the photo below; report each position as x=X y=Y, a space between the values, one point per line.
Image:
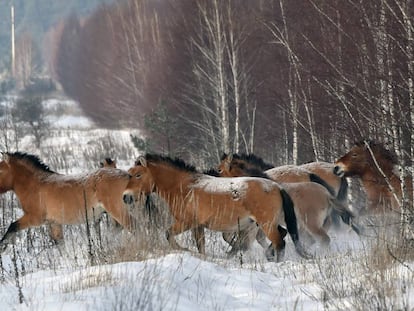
x=273 y=256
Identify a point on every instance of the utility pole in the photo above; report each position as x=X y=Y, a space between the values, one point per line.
x=13 y=50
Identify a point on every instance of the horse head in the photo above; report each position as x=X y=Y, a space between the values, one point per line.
x=140 y=182
x=231 y=166
x=364 y=156
x=240 y=165
x=224 y=167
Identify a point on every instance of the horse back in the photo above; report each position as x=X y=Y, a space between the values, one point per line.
x=325 y=170
x=288 y=174
x=263 y=192
x=67 y=199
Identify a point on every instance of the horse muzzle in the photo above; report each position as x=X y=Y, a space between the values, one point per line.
x=339 y=170
x=128 y=198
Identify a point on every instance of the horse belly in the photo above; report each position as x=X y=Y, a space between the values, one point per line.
x=231 y=224
x=70 y=207
x=220 y=212
x=228 y=217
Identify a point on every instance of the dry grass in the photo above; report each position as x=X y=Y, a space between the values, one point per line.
x=372 y=279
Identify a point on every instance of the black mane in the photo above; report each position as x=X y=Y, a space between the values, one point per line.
x=255 y=172
x=176 y=162
x=31 y=159
x=212 y=172
x=109 y=160
x=253 y=159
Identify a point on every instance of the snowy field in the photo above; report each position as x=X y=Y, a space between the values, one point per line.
x=118 y=271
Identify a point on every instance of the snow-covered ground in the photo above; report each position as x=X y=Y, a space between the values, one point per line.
x=354 y=274
x=186 y=281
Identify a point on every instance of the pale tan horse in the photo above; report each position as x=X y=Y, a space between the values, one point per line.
x=376 y=166
x=320 y=172
x=47 y=197
x=325 y=171
x=313 y=202
x=197 y=201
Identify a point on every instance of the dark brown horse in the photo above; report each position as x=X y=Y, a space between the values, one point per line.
x=197 y=201
x=47 y=197
x=376 y=166
x=312 y=201
x=108 y=163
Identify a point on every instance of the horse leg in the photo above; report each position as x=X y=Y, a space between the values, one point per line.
x=242 y=240
x=56 y=232
x=277 y=243
x=174 y=230
x=9 y=235
x=229 y=237
x=200 y=239
x=121 y=214
x=24 y=222
x=318 y=231
x=246 y=237
x=261 y=236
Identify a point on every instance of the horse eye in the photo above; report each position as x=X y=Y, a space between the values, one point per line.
x=138 y=176
x=354 y=155
x=220 y=170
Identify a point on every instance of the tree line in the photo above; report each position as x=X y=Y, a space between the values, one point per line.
x=293 y=81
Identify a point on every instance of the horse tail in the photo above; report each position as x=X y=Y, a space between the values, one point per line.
x=334 y=214
x=343 y=190
x=346 y=214
x=291 y=222
x=315 y=178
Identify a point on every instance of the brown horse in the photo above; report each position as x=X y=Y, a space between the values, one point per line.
x=49 y=197
x=377 y=168
x=197 y=201
x=149 y=204
x=312 y=200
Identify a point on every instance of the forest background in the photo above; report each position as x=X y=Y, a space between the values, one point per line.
x=292 y=81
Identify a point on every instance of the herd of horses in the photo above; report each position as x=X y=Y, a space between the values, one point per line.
x=244 y=198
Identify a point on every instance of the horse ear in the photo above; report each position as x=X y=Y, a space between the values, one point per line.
x=227 y=161
x=141 y=161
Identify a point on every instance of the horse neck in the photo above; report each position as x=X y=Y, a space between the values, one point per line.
x=171 y=183
x=374 y=178
x=25 y=180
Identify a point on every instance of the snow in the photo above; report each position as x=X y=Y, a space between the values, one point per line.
x=188 y=281
x=350 y=275
x=172 y=282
